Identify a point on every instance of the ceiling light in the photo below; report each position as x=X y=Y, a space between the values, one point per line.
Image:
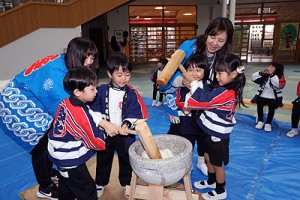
x=187 y=14
x=159 y=8
x=146 y=18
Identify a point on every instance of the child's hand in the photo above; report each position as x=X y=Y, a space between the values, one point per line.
x=124 y=130
x=110 y=128
x=187 y=111
x=265 y=71
x=187 y=79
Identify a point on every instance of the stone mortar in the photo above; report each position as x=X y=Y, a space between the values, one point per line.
x=162 y=171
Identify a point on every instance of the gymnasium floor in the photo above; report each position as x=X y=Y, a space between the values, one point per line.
x=262 y=165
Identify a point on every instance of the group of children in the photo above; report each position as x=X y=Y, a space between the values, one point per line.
x=95 y=119
x=98 y=118
x=200 y=103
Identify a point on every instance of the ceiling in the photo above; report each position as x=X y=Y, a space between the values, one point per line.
x=274 y=9
x=170 y=12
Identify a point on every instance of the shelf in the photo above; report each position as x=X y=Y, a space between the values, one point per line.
x=148 y=43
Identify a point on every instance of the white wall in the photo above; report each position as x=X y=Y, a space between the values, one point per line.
x=118 y=19
x=206 y=13
x=18 y=55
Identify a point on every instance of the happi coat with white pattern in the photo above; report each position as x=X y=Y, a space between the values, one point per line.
x=29 y=101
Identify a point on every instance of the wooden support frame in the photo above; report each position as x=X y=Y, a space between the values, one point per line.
x=159 y=192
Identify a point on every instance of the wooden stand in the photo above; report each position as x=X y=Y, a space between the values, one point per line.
x=158 y=192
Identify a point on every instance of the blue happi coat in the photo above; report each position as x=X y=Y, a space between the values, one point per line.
x=169 y=90
x=29 y=101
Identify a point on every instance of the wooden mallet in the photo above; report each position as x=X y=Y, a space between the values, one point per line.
x=147 y=140
x=173 y=64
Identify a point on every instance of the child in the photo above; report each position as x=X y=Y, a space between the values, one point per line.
x=217 y=120
x=269 y=94
x=75 y=136
x=121 y=105
x=295 y=114
x=197 y=66
x=160 y=65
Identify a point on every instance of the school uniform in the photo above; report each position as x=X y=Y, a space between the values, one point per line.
x=120 y=106
x=268 y=94
x=73 y=141
x=155 y=86
x=189 y=128
x=217 y=119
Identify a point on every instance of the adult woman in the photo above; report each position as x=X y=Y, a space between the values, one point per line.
x=29 y=102
x=216 y=42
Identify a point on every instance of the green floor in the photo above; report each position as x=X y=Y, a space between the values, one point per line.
x=141 y=81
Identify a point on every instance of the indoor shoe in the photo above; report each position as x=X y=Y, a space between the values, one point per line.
x=292 y=133
x=50 y=192
x=158 y=103
x=259 y=125
x=100 y=190
x=268 y=127
x=204 y=184
x=153 y=102
x=214 y=196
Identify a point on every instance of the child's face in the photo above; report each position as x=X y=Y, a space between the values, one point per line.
x=120 y=78
x=270 y=69
x=224 y=78
x=197 y=73
x=160 y=66
x=88 y=93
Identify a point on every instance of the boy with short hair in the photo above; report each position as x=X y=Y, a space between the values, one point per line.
x=122 y=105
x=75 y=136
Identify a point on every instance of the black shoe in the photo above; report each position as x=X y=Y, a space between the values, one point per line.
x=50 y=192
x=54 y=174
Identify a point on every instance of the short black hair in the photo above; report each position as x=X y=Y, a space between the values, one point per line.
x=117 y=60
x=163 y=61
x=198 y=60
x=279 y=71
x=79 y=78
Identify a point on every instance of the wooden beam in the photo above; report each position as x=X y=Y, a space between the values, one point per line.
x=287 y=106
x=142 y=192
